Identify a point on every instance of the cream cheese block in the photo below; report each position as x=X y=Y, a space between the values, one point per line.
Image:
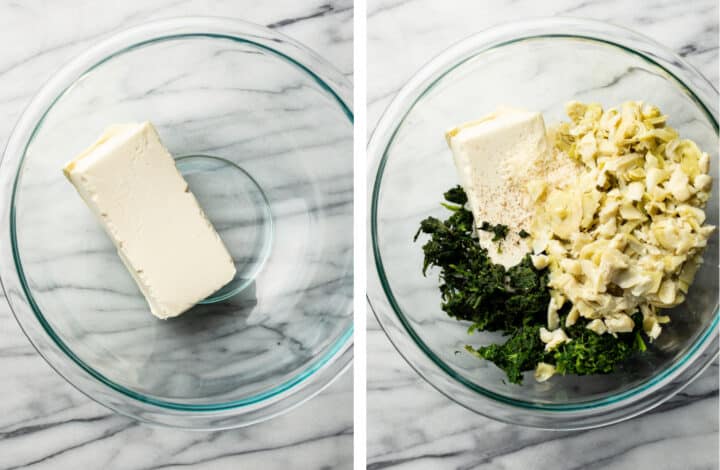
x=488 y=153
x=130 y=182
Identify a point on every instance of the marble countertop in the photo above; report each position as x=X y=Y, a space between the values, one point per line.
x=410 y=424
x=44 y=422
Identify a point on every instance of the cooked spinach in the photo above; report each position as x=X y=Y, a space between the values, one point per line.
x=500 y=231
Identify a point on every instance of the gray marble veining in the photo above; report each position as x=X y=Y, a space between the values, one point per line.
x=44 y=422
x=411 y=425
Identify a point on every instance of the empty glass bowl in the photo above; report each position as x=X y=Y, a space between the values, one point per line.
x=537 y=65
x=262 y=130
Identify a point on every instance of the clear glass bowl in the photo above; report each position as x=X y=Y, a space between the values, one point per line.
x=536 y=65
x=262 y=128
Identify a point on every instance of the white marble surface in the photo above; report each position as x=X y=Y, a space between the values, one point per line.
x=44 y=422
x=410 y=425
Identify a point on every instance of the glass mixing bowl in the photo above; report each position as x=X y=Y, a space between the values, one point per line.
x=262 y=130
x=537 y=65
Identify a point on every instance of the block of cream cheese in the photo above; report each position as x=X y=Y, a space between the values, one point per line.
x=129 y=180
x=487 y=152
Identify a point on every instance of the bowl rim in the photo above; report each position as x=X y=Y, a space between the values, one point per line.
x=312 y=378
x=526 y=412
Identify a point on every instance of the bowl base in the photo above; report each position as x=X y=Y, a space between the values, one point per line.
x=238 y=209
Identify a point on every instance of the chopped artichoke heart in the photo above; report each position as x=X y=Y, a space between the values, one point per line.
x=553 y=339
x=543 y=371
x=619 y=323
x=556 y=302
x=634 y=191
x=678 y=185
x=536 y=189
x=627 y=235
x=540 y=261
x=597 y=325
x=572 y=317
x=564 y=213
